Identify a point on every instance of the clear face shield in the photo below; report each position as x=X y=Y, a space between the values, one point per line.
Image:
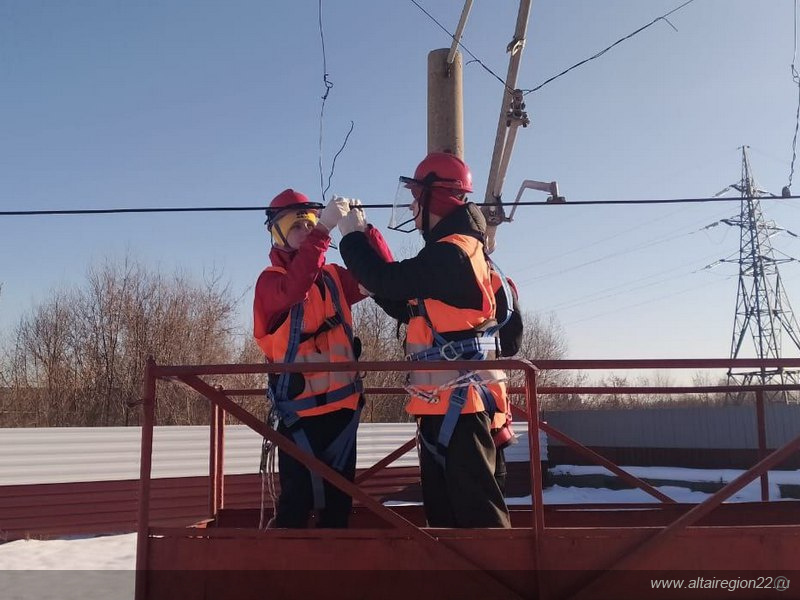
x=405 y=207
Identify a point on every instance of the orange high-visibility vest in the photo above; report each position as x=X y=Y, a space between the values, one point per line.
x=446 y=318
x=330 y=345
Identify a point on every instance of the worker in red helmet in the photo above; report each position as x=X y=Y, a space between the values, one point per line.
x=446 y=296
x=301 y=314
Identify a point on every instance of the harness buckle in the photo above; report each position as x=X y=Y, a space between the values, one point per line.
x=449 y=352
x=289 y=418
x=428 y=397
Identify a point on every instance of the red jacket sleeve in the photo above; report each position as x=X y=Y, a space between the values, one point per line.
x=376 y=241
x=276 y=292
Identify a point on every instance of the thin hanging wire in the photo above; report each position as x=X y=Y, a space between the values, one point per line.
x=328 y=86
x=619 y=41
x=333 y=163
x=796 y=79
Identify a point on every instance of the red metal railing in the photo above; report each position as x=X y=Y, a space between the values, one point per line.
x=190 y=376
x=222 y=404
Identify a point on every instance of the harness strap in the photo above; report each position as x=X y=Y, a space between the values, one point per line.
x=295 y=330
x=327 y=325
x=317 y=487
x=506 y=291
x=335 y=455
x=462 y=349
x=469 y=349
x=288 y=409
x=456 y=405
x=337 y=303
x=337 y=452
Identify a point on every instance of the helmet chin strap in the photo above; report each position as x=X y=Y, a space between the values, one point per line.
x=283 y=239
x=400 y=226
x=423 y=204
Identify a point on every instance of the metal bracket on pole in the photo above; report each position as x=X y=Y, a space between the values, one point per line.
x=495 y=214
x=512 y=115
x=516 y=116
x=462 y=22
x=542 y=186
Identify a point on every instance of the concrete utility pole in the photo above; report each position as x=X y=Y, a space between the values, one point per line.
x=445 y=116
x=445 y=103
x=445 y=99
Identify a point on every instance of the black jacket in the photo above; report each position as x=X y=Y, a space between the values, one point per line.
x=440 y=272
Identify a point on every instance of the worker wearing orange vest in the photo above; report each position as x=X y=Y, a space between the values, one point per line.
x=445 y=294
x=302 y=314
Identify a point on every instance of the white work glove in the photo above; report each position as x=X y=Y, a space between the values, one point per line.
x=354 y=220
x=337 y=208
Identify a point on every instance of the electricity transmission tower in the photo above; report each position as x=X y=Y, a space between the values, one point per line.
x=762 y=306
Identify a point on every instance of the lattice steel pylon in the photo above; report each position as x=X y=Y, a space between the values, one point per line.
x=762 y=305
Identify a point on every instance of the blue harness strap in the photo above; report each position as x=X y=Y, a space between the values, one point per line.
x=337 y=304
x=295 y=406
x=336 y=454
x=295 y=331
x=456 y=350
x=469 y=349
x=506 y=291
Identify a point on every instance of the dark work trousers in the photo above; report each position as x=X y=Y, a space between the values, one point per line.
x=296 y=500
x=500 y=471
x=465 y=493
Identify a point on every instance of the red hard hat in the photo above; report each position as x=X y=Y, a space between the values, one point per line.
x=442 y=170
x=289 y=199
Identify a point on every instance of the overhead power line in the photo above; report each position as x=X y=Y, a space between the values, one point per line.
x=180 y=209
x=619 y=290
x=463 y=47
x=628 y=307
x=619 y=41
x=622 y=252
x=565 y=71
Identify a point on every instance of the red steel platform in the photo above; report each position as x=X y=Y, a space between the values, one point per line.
x=552 y=552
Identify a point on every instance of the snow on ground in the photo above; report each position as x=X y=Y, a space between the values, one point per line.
x=77 y=553
x=101 y=568
x=750 y=493
x=676 y=473
x=97 y=568
x=578 y=495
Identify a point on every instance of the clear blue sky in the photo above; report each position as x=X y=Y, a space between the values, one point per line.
x=192 y=103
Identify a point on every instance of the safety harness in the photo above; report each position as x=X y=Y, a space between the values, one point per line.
x=286 y=409
x=474 y=348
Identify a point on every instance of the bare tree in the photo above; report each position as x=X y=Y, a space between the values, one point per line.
x=543 y=338
x=79 y=357
x=381 y=340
